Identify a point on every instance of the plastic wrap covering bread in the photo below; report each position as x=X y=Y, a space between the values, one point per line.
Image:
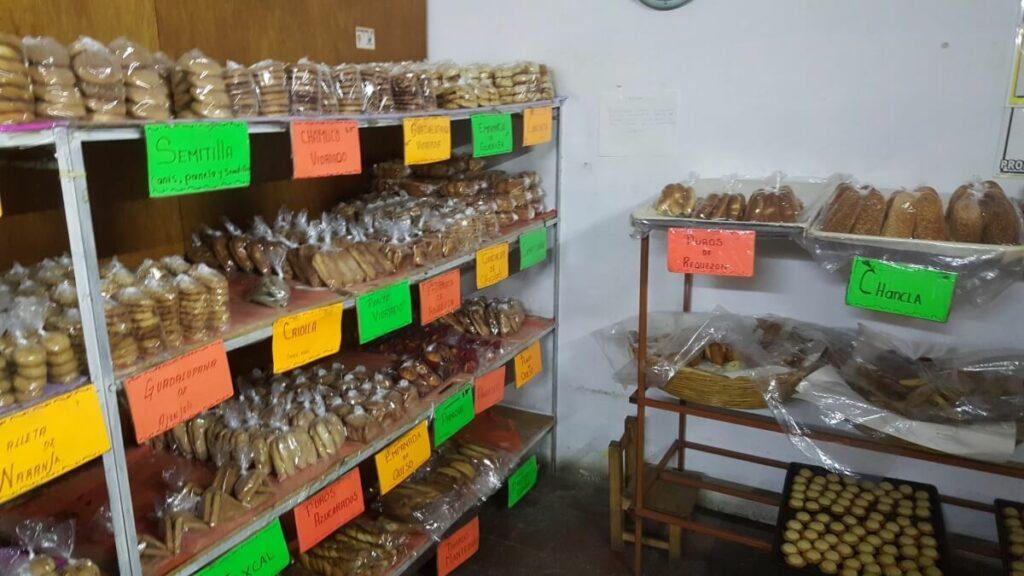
x=100 y=80
x=280 y=424
x=975 y=233
x=42 y=548
x=776 y=204
x=199 y=88
x=148 y=95
x=377 y=94
x=242 y=92
x=459 y=474
x=365 y=546
x=16 y=97
x=54 y=84
x=41 y=339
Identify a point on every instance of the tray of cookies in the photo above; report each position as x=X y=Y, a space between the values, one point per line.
x=857 y=525
x=978 y=219
x=1010 y=524
x=773 y=207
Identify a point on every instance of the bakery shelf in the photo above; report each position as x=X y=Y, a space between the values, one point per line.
x=145 y=467
x=852 y=438
x=41 y=133
x=251 y=323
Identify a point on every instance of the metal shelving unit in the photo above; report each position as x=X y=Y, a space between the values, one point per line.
x=66 y=142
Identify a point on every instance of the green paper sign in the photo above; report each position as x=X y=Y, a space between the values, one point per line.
x=533 y=248
x=384 y=310
x=263 y=554
x=900 y=289
x=453 y=414
x=492 y=134
x=190 y=158
x=522 y=481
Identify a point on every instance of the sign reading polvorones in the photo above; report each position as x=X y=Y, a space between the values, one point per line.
x=191 y=158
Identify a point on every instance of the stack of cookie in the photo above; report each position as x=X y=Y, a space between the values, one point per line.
x=6 y=395
x=147 y=93
x=272 y=84
x=330 y=102
x=377 y=95
x=195 y=307
x=53 y=83
x=30 y=371
x=547 y=86
x=199 y=89
x=165 y=296
x=241 y=90
x=145 y=323
x=349 y=84
x=456 y=90
x=100 y=79
x=123 y=349
x=486 y=91
x=406 y=88
x=16 y=101
x=216 y=286
x=304 y=84
x=62 y=367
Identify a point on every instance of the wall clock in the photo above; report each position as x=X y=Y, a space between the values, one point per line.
x=665 y=4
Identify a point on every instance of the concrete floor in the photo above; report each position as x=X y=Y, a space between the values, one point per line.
x=561 y=528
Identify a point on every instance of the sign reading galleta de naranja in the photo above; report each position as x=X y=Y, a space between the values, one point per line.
x=711 y=252
x=177 y=390
x=327 y=148
x=329 y=509
x=307 y=336
x=44 y=441
x=199 y=157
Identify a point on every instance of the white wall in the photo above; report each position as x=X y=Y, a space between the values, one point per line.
x=897 y=93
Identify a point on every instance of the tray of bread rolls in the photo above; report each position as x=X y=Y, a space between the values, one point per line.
x=859 y=525
x=1010 y=524
x=977 y=219
x=773 y=207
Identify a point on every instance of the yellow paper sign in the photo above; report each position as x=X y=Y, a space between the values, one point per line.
x=528 y=364
x=427 y=139
x=491 y=265
x=536 y=125
x=301 y=338
x=46 y=440
x=400 y=459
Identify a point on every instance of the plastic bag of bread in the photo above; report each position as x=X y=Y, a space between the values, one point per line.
x=148 y=94
x=54 y=84
x=272 y=290
x=377 y=94
x=349 y=83
x=305 y=88
x=242 y=91
x=45 y=548
x=27 y=356
x=16 y=98
x=198 y=87
x=327 y=88
x=980 y=212
x=100 y=79
x=217 y=291
x=272 y=83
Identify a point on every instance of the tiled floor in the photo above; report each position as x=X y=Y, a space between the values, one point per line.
x=561 y=528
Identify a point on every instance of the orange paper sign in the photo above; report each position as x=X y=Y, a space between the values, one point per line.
x=325 y=148
x=440 y=296
x=536 y=126
x=528 y=364
x=177 y=390
x=489 y=389
x=328 y=510
x=491 y=265
x=459 y=547
x=713 y=252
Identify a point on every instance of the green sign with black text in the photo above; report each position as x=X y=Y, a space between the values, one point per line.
x=265 y=553
x=190 y=158
x=492 y=134
x=901 y=289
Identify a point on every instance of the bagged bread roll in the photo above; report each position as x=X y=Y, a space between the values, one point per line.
x=842 y=210
x=964 y=218
x=100 y=79
x=1002 y=221
x=148 y=94
x=198 y=87
x=54 y=85
x=871 y=214
x=900 y=215
x=17 y=103
x=929 y=223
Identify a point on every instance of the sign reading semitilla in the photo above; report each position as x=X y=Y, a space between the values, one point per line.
x=190 y=158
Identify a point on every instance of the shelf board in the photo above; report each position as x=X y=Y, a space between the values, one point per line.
x=251 y=323
x=42 y=134
x=851 y=438
x=145 y=467
x=648 y=218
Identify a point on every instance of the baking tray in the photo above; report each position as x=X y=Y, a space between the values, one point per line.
x=1004 y=537
x=947 y=249
x=786 y=514
x=811 y=191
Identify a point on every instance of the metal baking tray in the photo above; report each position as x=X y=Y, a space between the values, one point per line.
x=1004 y=537
x=786 y=514
x=810 y=191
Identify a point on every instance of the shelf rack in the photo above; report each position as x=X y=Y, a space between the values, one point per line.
x=643 y=400
x=66 y=141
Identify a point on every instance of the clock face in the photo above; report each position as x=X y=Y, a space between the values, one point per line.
x=665 y=4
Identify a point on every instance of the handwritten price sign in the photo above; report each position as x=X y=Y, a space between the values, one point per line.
x=330 y=509
x=711 y=252
x=307 y=336
x=325 y=148
x=440 y=296
x=402 y=457
x=428 y=139
x=528 y=364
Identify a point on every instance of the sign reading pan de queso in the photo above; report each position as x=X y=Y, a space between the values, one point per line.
x=196 y=157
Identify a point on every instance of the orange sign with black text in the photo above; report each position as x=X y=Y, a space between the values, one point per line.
x=459 y=547
x=328 y=510
x=711 y=252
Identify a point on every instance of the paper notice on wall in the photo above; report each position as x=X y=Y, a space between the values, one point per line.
x=1011 y=147
x=639 y=124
